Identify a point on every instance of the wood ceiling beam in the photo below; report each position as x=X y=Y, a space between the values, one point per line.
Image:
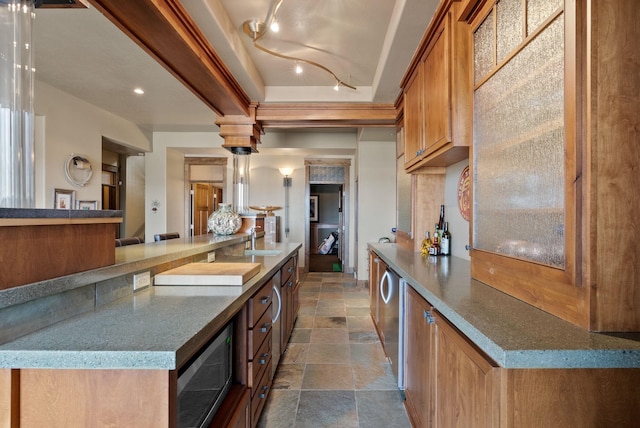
x=326 y=115
x=165 y=31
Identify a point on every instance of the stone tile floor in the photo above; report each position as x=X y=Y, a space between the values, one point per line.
x=334 y=372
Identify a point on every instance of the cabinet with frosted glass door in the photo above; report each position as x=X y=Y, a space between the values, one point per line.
x=553 y=210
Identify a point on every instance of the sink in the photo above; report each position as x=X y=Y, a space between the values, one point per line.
x=263 y=252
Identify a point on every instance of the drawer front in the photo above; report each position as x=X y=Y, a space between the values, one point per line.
x=259 y=303
x=259 y=396
x=286 y=271
x=260 y=361
x=259 y=332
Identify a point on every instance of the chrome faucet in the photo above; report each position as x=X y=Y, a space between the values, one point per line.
x=253 y=238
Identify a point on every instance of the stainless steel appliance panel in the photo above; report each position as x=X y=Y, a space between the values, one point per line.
x=392 y=321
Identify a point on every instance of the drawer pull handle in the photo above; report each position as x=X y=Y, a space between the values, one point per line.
x=264 y=300
x=264 y=394
x=290 y=270
x=290 y=283
x=263 y=360
x=265 y=327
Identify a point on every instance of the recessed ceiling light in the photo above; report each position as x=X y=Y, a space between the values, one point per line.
x=138 y=91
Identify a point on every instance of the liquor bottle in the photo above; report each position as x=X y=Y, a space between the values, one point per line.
x=426 y=244
x=434 y=250
x=445 y=241
x=441 y=219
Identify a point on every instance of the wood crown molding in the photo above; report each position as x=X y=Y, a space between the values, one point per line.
x=319 y=115
x=166 y=32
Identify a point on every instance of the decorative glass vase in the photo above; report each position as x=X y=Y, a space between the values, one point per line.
x=225 y=221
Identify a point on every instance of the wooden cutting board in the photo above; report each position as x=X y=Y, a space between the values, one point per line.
x=209 y=274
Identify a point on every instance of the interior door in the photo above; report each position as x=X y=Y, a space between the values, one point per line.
x=205 y=198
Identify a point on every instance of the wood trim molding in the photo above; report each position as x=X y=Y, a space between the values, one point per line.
x=328 y=162
x=202 y=160
x=166 y=32
x=318 y=115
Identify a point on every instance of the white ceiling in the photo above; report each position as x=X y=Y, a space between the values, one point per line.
x=367 y=43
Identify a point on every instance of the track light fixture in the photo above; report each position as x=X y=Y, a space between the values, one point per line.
x=257 y=29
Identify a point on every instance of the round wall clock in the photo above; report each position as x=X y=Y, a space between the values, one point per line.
x=464 y=199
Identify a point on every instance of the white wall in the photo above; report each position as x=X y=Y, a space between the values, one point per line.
x=458 y=227
x=164 y=165
x=134 y=213
x=74 y=126
x=376 y=196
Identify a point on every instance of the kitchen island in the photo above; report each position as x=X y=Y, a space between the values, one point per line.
x=117 y=341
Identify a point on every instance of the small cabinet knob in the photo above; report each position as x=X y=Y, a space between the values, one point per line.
x=264 y=394
x=265 y=327
x=264 y=300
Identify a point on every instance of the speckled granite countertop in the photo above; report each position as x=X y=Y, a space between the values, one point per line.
x=513 y=333
x=158 y=327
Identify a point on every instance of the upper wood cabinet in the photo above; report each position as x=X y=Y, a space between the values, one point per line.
x=555 y=211
x=413 y=118
x=437 y=94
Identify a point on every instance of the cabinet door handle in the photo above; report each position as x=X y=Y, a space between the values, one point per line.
x=265 y=327
x=430 y=319
x=264 y=300
x=263 y=360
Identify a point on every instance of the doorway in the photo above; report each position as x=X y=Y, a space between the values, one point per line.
x=326 y=210
x=327 y=218
x=205 y=180
x=205 y=200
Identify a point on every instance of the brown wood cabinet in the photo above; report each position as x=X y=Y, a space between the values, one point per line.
x=290 y=290
x=450 y=382
x=420 y=355
x=466 y=381
x=595 y=285
x=235 y=411
x=413 y=117
x=437 y=94
x=376 y=270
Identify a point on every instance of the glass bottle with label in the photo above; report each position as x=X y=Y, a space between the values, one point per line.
x=434 y=250
x=426 y=244
x=445 y=241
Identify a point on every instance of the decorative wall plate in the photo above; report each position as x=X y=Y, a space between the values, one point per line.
x=464 y=200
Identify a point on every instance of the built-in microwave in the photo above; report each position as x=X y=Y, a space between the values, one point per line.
x=204 y=381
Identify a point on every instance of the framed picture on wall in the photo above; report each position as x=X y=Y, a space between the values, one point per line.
x=313 y=208
x=87 y=205
x=63 y=199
